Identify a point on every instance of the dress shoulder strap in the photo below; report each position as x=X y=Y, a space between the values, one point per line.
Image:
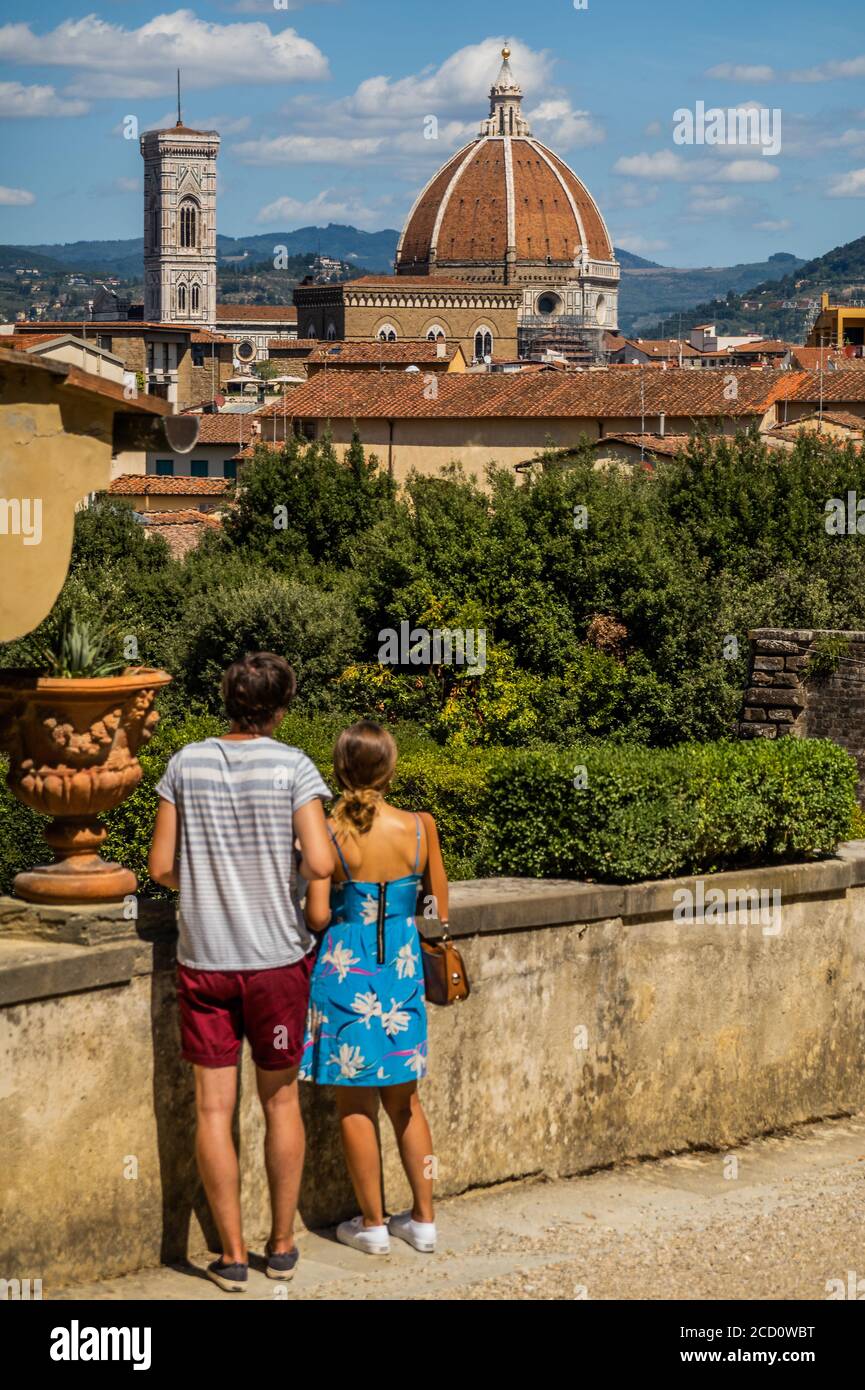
x=336 y=845
x=417 y=850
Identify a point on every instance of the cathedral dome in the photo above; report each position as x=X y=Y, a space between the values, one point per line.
x=502 y=202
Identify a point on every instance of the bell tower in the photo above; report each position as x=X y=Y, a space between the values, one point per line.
x=180 y=224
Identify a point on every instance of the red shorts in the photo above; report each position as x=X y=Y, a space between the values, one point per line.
x=219 y=1007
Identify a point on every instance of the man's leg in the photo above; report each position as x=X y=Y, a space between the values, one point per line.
x=215 y=1099
x=284 y=1147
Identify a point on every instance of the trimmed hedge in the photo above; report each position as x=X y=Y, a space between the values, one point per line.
x=648 y=814
x=641 y=814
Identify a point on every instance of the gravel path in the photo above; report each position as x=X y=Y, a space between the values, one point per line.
x=776 y=1218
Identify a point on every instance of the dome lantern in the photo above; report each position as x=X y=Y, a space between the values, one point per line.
x=506 y=99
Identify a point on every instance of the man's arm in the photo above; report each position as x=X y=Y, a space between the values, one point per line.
x=162 y=861
x=316 y=850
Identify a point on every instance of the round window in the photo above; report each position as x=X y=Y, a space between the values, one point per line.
x=549 y=304
x=246 y=351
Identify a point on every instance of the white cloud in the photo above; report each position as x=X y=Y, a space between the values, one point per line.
x=827 y=72
x=555 y=122
x=268 y=6
x=136 y=63
x=746 y=171
x=850 y=185
x=327 y=206
x=633 y=195
x=17 y=99
x=663 y=164
x=308 y=149
x=16 y=197
x=743 y=72
x=654 y=128
x=639 y=244
x=705 y=203
x=780 y=224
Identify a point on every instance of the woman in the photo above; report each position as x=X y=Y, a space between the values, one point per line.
x=366 y=1033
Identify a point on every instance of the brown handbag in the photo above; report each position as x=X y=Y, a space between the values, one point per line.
x=445 y=977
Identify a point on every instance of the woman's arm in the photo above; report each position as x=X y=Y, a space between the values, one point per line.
x=162 y=861
x=435 y=880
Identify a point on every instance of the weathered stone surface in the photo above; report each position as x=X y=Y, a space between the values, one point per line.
x=768 y=663
x=580 y=1045
x=795 y=663
x=754 y=730
x=774 y=645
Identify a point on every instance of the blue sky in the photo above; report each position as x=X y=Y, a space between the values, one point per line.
x=321 y=105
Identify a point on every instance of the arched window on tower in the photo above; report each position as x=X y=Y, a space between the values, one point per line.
x=196 y=299
x=436 y=334
x=189 y=224
x=181 y=299
x=483 y=344
x=387 y=333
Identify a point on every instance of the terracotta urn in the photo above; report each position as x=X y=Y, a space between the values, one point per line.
x=72 y=747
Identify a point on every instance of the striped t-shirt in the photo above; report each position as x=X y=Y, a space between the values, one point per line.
x=239 y=902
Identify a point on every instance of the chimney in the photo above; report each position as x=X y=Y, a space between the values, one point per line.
x=441 y=348
x=662 y=424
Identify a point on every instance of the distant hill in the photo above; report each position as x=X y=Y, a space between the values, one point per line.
x=629 y=261
x=778 y=307
x=647 y=295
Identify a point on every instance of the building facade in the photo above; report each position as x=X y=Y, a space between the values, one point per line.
x=180 y=225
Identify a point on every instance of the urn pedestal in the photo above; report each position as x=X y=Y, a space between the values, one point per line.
x=73 y=755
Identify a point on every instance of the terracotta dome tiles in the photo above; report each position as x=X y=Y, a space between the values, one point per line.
x=463 y=213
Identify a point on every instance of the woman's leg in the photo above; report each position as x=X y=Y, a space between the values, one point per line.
x=357 y=1107
x=412 y=1131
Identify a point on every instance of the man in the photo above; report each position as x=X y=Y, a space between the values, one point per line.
x=230 y=811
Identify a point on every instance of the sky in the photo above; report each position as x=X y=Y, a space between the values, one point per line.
x=323 y=109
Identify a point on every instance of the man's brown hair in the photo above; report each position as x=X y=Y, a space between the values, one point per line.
x=255 y=687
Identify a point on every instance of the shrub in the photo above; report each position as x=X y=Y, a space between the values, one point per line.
x=646 y=814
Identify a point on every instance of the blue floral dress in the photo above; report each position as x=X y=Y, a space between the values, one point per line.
x=367 y=1015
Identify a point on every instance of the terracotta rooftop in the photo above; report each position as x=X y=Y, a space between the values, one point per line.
x=204 y=335
x=267 y=313
x=300 y=344
x=842 y=419
x=495 y=184
x=224 y=429
x=181 y=517
x=668 y=444
x=74 y=377
x=659 y=347
x=404 y=351
x=677 y=392
x=810 y=358
x=842 y=384
x=148 y=485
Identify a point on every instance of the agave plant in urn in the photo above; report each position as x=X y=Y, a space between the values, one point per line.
x=71 y=730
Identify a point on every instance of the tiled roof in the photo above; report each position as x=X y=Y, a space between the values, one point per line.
x=810 y=358
x=661 y=347
x=841 y=419
x=404 y=351
x=301 y=344
x=181 y=517
x=668 y=444
x=148 y=485
x=267 y=313
x=465 y=212
x=86 y=381
x=224 y=429
x=842 y=384
x=204 y=335
x=680 y=392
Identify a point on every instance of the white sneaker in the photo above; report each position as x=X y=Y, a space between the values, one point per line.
x=372 y=1240
x=420 y=1234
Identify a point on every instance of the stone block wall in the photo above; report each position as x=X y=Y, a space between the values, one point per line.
x=782 y=698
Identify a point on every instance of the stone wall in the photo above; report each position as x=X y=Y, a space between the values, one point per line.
x=782 y=698
x=599 y=1028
